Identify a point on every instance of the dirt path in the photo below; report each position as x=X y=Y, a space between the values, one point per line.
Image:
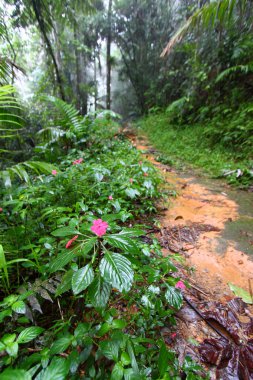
x=212 y=227
x=195 y=224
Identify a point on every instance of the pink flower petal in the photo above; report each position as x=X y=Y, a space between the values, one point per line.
x=54 y=172
x=1 y=210
x=99 y=227
x=71 y=241
x=180 y=285
x=110 y=197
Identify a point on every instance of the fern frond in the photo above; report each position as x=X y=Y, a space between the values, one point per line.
x=234 y=70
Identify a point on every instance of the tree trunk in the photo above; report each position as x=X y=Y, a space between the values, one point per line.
x=108 y=57
x=39 y=18
x=78 y=71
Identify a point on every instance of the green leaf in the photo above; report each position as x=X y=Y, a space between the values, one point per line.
x=88 y=246
x=122 y=241
x=174 y=297
x=8 y=338
x=3 y=265
x=57 y=370
x=99 y=292
x=60 y=345
x=12 y=349
x=5 y=313
x=104 y=329
x=239 y=292
x=29 y=334
x=110 y=349
x=61 y=260
x=130 y=374
x=82 y=279
x=125 y=359
x=132 y=193
x=19 y=307
x=132 y=357
x=117 y=271
x=117 y=372
x=119 y=324
x=17 y=374
x=65 y=231
x=65 y=284
x=163 y=360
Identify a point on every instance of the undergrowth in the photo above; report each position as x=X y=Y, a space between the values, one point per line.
x=84 y=293
x=212 y=145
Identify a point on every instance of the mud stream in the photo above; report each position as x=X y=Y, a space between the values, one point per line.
x=222 y=253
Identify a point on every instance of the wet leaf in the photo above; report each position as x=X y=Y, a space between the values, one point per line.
x=232 y=356
x=239 y=292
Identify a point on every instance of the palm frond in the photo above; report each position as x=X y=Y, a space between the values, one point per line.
x=19 y=171
x=221 y=11
x=245 y=69
x=9 y=108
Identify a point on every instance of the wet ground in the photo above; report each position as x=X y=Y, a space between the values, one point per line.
x=219 y=223
x=211 y=226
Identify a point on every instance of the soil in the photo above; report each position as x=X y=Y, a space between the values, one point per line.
x=213 y=231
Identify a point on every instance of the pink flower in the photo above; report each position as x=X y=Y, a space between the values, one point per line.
x=71 y=241
x=54 y=172
x=99 y=227
x=173 y=335
x=110 y=197
x=131 y=180
x=180 y=285
x=1 y=210
x=140 y=162
x=79 y=161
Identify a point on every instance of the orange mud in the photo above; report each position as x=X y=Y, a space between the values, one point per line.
x=216 y=260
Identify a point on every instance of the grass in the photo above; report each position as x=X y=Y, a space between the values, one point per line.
x=188 y=145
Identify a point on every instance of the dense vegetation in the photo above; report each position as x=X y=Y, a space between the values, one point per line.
x=84 y=292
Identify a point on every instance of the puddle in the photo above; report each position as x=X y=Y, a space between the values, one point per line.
x=218 y=256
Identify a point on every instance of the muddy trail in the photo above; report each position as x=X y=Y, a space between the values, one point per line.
x=211 y=226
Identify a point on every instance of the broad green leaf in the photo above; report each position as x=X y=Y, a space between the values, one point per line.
x=29 y=334
x=8 y=338
x=61 y=260
x=132 y=357
x=104 y=329
x=119 y=324
x=15 y=374
x=125 y=358
x=5 y=313
x=117 y=372
x=163 y=360
x=130 y=374
x=239 y=292
x=82 y=279
x=19 y=307
x=117 y=271
x=174 y=297
x=65 y=231
x=12 y=349
x=110 y=349
x=89 y=244
x=65 y=284
x=57 y=370
x=132 y=193
x=122 y=241
x=60 y=345
x=99 y=292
